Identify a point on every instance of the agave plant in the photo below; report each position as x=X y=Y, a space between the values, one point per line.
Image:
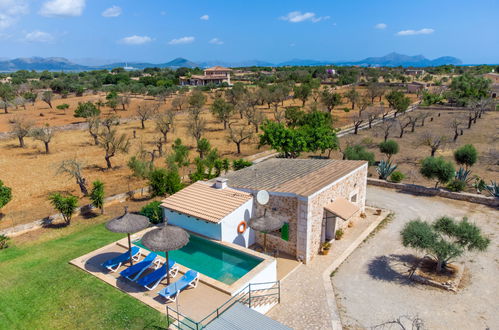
x=385 y=168
x=493 y=189
x=463 y=175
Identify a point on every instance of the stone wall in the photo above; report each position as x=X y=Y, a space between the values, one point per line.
x=287 y=208
x=421 y=190
x=354 y=183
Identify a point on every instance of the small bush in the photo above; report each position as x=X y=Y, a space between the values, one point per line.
x=389 y=148
x=153 y=212
x=163 y=181
x=4 y=242
x=339 y=234
x=397 y=176
x=359 y=152
x=466 y=155
x=238 y=164
x=5 y=194
x=139 y=168
x=456 y=185
x=86 y=109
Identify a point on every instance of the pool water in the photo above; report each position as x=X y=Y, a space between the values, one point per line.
x=212 y=259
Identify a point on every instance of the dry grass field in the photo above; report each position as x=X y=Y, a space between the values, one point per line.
x=484 y=135
x=32 y=174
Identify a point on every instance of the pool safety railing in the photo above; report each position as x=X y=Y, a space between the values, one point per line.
x=253 y=295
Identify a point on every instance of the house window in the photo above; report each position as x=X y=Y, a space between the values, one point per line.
x=353 y=199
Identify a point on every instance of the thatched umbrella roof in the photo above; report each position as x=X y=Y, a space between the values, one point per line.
x=128 y=223
x=166 y=238
x=266 y=223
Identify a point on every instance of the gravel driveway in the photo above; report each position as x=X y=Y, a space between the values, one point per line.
x=372 y=288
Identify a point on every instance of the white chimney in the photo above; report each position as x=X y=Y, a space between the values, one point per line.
x=221 y=183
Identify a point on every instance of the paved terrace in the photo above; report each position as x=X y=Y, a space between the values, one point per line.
x=195 y=303
x=307 y=297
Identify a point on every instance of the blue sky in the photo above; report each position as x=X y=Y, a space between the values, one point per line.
x=271 y=30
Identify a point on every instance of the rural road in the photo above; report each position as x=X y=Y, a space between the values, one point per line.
x=372 y=288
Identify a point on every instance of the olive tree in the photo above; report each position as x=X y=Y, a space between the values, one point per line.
x=47 y=98
x=145 y=112
x=222 y=110
x=165 y=123
x=73 y=168
x=445 y=239
x=238 y=134
x=434 y=141
x=467 y=155
x=437 y=168
x=112 y=143
x=389 y=148
x=21 y=127
x=44 y=134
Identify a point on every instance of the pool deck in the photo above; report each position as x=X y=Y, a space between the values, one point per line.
x=195 y=303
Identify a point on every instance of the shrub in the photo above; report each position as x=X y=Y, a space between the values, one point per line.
x=66 y=205
x=437 y=168
x=140 y=168
x=4 y=242
x=445 y=239
x=339 y=234
x=466 y=155
x=238 y=164
x=493 y=189
x=97 y=195
x=86 y=109
x=5 y=194
x=456 y=185
x=397 y=176
x=358 y=152
x=153 y=211
x=163 y=181
x=63 y=106
x=389 y=148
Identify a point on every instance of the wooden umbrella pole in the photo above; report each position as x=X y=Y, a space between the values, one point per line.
x=130 y=249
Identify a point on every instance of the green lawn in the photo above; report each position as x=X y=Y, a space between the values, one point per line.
x=39 y=289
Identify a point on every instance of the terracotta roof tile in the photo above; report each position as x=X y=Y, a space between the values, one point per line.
x=203 y=201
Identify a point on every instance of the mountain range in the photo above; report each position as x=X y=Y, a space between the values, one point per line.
x=63 y=64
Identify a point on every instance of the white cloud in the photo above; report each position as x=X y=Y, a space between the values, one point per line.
x=136 y=40
x=113 y=11
x=380 y=26
x=38 y=36
x=62 y=8
x=205 y=17
x=298 y=16
x=216 y=41
x=10 y=11
x=183 y=40
x=415 y=32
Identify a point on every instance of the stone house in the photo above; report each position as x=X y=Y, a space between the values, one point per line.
x=315 y=197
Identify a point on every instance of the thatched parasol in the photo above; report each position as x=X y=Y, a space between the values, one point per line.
x=266 y=224
x=128 y=223
x=166 y=238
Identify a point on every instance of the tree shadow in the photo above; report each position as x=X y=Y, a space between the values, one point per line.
x=48 y=223
x=396 y=268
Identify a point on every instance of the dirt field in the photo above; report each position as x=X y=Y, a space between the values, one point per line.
x=484 y=135
x=32 y=174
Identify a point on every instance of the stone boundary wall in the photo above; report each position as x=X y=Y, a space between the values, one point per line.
x=23 y=228
x=421 y=190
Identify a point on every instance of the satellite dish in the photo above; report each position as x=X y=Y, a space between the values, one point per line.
x=262 y=197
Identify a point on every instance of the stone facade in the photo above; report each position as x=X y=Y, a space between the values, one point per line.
x=306 y=214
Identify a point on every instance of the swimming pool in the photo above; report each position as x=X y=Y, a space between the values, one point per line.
x=212 y=259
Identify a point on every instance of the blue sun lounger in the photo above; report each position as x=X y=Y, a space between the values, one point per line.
x=115 y=263
x=133 y=272
x=190 y=279
x=151 y=281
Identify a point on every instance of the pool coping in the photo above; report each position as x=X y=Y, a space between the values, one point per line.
x=231 y=289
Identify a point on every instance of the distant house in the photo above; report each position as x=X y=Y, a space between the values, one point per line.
x=314 y=198
x=216 y=75
x=414 y=72
x=415 y=87
x=494 y=77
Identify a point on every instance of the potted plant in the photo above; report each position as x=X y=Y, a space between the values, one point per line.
x=339 y=234
x=326 y=246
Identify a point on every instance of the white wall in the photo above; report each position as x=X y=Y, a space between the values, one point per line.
x=208 y=229
x=231 y=222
